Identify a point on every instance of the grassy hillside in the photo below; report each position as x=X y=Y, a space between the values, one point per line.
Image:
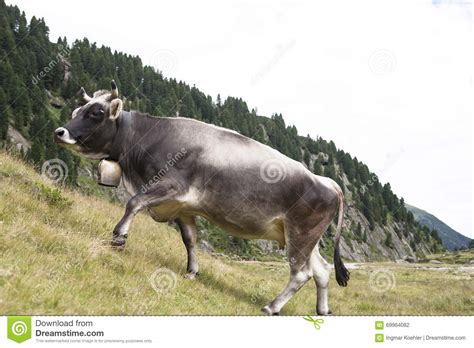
x=451 y=238
x=55 y=259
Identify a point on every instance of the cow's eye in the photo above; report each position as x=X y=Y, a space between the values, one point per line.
x=98 y=113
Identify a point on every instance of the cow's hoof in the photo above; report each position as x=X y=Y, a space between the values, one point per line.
x=329 y=312
x=266 y=310
x=191 y=275
x=117 y=247
x=119 y=242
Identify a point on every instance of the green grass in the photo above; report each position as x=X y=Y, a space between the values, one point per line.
x=456 y=257
x=55 y=259
x=54 y=112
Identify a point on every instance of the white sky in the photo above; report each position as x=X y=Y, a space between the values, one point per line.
x=388 y=81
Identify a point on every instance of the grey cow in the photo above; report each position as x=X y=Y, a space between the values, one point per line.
x=180 y=168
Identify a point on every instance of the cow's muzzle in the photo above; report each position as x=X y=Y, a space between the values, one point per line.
x=62 y=136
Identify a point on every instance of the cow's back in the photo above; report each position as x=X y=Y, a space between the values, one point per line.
x=235 y=167
x=244 y=186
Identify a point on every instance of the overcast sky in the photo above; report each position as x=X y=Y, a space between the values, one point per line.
x=388 y=81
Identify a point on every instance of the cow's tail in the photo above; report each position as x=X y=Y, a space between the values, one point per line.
x=342 y=274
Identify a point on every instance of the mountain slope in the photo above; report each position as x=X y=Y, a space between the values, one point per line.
x=378 y=225
x=451 y=238
x=55 y=259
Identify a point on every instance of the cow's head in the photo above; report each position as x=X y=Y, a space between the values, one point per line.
x=93 y=126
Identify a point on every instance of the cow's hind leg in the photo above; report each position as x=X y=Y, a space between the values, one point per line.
x=321 y=271
x=320 y=268
x=300 y=272
x=187 y=226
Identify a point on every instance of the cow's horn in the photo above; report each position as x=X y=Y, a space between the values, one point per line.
x=114 y=93
x=84 y=95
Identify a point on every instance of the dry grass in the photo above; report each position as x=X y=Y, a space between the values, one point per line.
x=55 y=259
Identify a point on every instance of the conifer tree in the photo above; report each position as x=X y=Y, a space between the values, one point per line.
x=4 y=115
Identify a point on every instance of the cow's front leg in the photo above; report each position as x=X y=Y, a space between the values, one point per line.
x=187 y=226
x=159 y=194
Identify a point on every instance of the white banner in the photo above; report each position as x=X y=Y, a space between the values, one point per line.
x=213 y=331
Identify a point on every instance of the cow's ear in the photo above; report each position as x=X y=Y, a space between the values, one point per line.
x=116 y=106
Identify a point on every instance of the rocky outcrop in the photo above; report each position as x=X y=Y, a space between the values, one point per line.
x=18 y=140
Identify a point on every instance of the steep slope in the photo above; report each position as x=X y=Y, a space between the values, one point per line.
x=378 y=225
x=55 y=259
x=451 y=238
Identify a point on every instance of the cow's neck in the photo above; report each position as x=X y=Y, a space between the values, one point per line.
x=123 y=127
